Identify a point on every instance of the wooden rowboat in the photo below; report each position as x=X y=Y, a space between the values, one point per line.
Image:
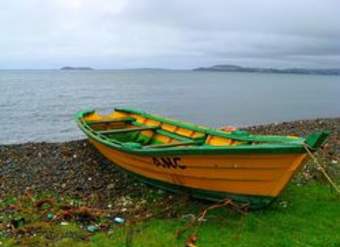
x=207 y=163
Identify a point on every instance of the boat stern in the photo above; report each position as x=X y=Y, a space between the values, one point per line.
x=316 y=139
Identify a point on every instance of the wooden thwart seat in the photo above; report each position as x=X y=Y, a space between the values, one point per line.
x=115 y=131
x=179 y=137
x=168 y=145
x=117 y=120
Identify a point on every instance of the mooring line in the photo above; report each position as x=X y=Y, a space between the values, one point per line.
x=321 y=169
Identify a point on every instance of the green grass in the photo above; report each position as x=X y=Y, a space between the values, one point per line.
x=306 y=215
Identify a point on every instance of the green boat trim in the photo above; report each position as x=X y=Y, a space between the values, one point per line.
x=236 y=135
x=264 y=144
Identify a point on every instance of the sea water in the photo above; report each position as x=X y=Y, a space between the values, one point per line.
x=40 y=105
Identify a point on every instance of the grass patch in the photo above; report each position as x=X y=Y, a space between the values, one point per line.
x=306 y=215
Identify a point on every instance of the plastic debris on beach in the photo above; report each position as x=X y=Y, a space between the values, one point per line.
x=119 y=220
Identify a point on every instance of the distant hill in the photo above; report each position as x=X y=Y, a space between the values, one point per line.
x=75 y=68
x=235 y=68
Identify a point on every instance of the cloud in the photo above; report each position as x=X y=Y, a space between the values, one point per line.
x=176 y=34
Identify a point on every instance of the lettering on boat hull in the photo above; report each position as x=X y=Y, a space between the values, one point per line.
x=168 y=162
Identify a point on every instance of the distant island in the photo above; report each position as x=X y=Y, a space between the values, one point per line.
x=76 y=68
x=235 y=68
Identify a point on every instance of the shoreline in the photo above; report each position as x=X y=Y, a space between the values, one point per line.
x=253 y=127
x=75 y=167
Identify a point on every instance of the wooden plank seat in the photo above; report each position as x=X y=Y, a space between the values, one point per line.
x=116 y=131
x=178 y=137
x=175 y=135
x=168 y=145
x=117 y=120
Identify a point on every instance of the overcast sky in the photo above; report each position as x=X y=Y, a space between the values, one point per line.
x=169 y=33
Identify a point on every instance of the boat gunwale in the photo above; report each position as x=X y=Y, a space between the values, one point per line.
x=235 y=135
x=266 y=148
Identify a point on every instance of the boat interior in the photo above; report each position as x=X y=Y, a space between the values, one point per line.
x=151 y=131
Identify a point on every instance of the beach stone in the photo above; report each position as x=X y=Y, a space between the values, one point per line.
x=110 y=186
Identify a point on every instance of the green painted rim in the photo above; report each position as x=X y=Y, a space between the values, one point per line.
x=266 y=144
x=236 y=135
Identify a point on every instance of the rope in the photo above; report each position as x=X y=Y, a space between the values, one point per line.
x=241 y=209
x=321 y=169
x=197 y=221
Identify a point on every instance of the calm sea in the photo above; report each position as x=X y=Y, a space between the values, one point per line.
x=39 y=105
